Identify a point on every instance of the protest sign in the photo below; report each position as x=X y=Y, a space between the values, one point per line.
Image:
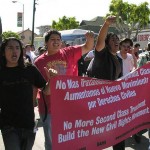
x=94 y=114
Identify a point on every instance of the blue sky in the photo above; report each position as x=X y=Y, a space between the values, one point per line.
x=48 y=10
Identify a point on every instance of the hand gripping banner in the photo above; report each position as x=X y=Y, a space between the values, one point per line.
x=93 y=114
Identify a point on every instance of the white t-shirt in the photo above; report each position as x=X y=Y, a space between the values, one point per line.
x=90 y=64
x=31 y=55
x=128 y=63
x=90 y=54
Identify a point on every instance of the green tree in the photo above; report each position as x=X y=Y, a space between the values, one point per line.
x=130 y=17
x=10 y=34
x=65 y=23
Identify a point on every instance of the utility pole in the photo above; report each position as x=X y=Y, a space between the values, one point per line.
x=33 y=20
x=15 y=1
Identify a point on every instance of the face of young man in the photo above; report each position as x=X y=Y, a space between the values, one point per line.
x=54 y=44
x=136 y=49
x=28 y=48
x=125 y=47
x=12 y=53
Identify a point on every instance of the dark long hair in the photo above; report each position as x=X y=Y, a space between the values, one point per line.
x=109 y=35
x=2 y=51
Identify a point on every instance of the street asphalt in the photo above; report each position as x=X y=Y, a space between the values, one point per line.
x=39 y=141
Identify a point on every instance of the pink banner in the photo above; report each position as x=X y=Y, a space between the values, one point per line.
x=95 y=114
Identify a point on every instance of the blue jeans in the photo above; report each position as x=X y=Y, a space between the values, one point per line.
x=47 y=131
x=17 y=138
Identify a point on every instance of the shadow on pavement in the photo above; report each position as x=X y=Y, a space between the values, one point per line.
x=143 y=145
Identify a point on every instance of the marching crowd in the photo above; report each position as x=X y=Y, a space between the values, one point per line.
x=25 y=76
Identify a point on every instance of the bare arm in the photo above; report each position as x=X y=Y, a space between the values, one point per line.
x=103 y=32
x=89 y=43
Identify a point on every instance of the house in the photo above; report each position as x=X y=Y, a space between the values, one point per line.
x=95 y=24
x=26 y=36
x=142 y=38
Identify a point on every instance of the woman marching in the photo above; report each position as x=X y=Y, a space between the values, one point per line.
x=17 y=80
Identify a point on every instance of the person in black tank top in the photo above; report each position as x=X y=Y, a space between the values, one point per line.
x=106 y=64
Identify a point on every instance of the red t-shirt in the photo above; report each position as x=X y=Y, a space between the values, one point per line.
x=65 y=62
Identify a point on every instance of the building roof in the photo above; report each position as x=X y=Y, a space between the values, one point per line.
x=97 y=21
x=21 y=32
x=95 y=24
x=43 y=26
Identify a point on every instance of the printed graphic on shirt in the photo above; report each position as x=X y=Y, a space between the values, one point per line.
x=59 y=65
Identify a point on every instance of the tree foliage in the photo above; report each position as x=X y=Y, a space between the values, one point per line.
x=65 y=23
x=10 y=34
x=130 y=17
